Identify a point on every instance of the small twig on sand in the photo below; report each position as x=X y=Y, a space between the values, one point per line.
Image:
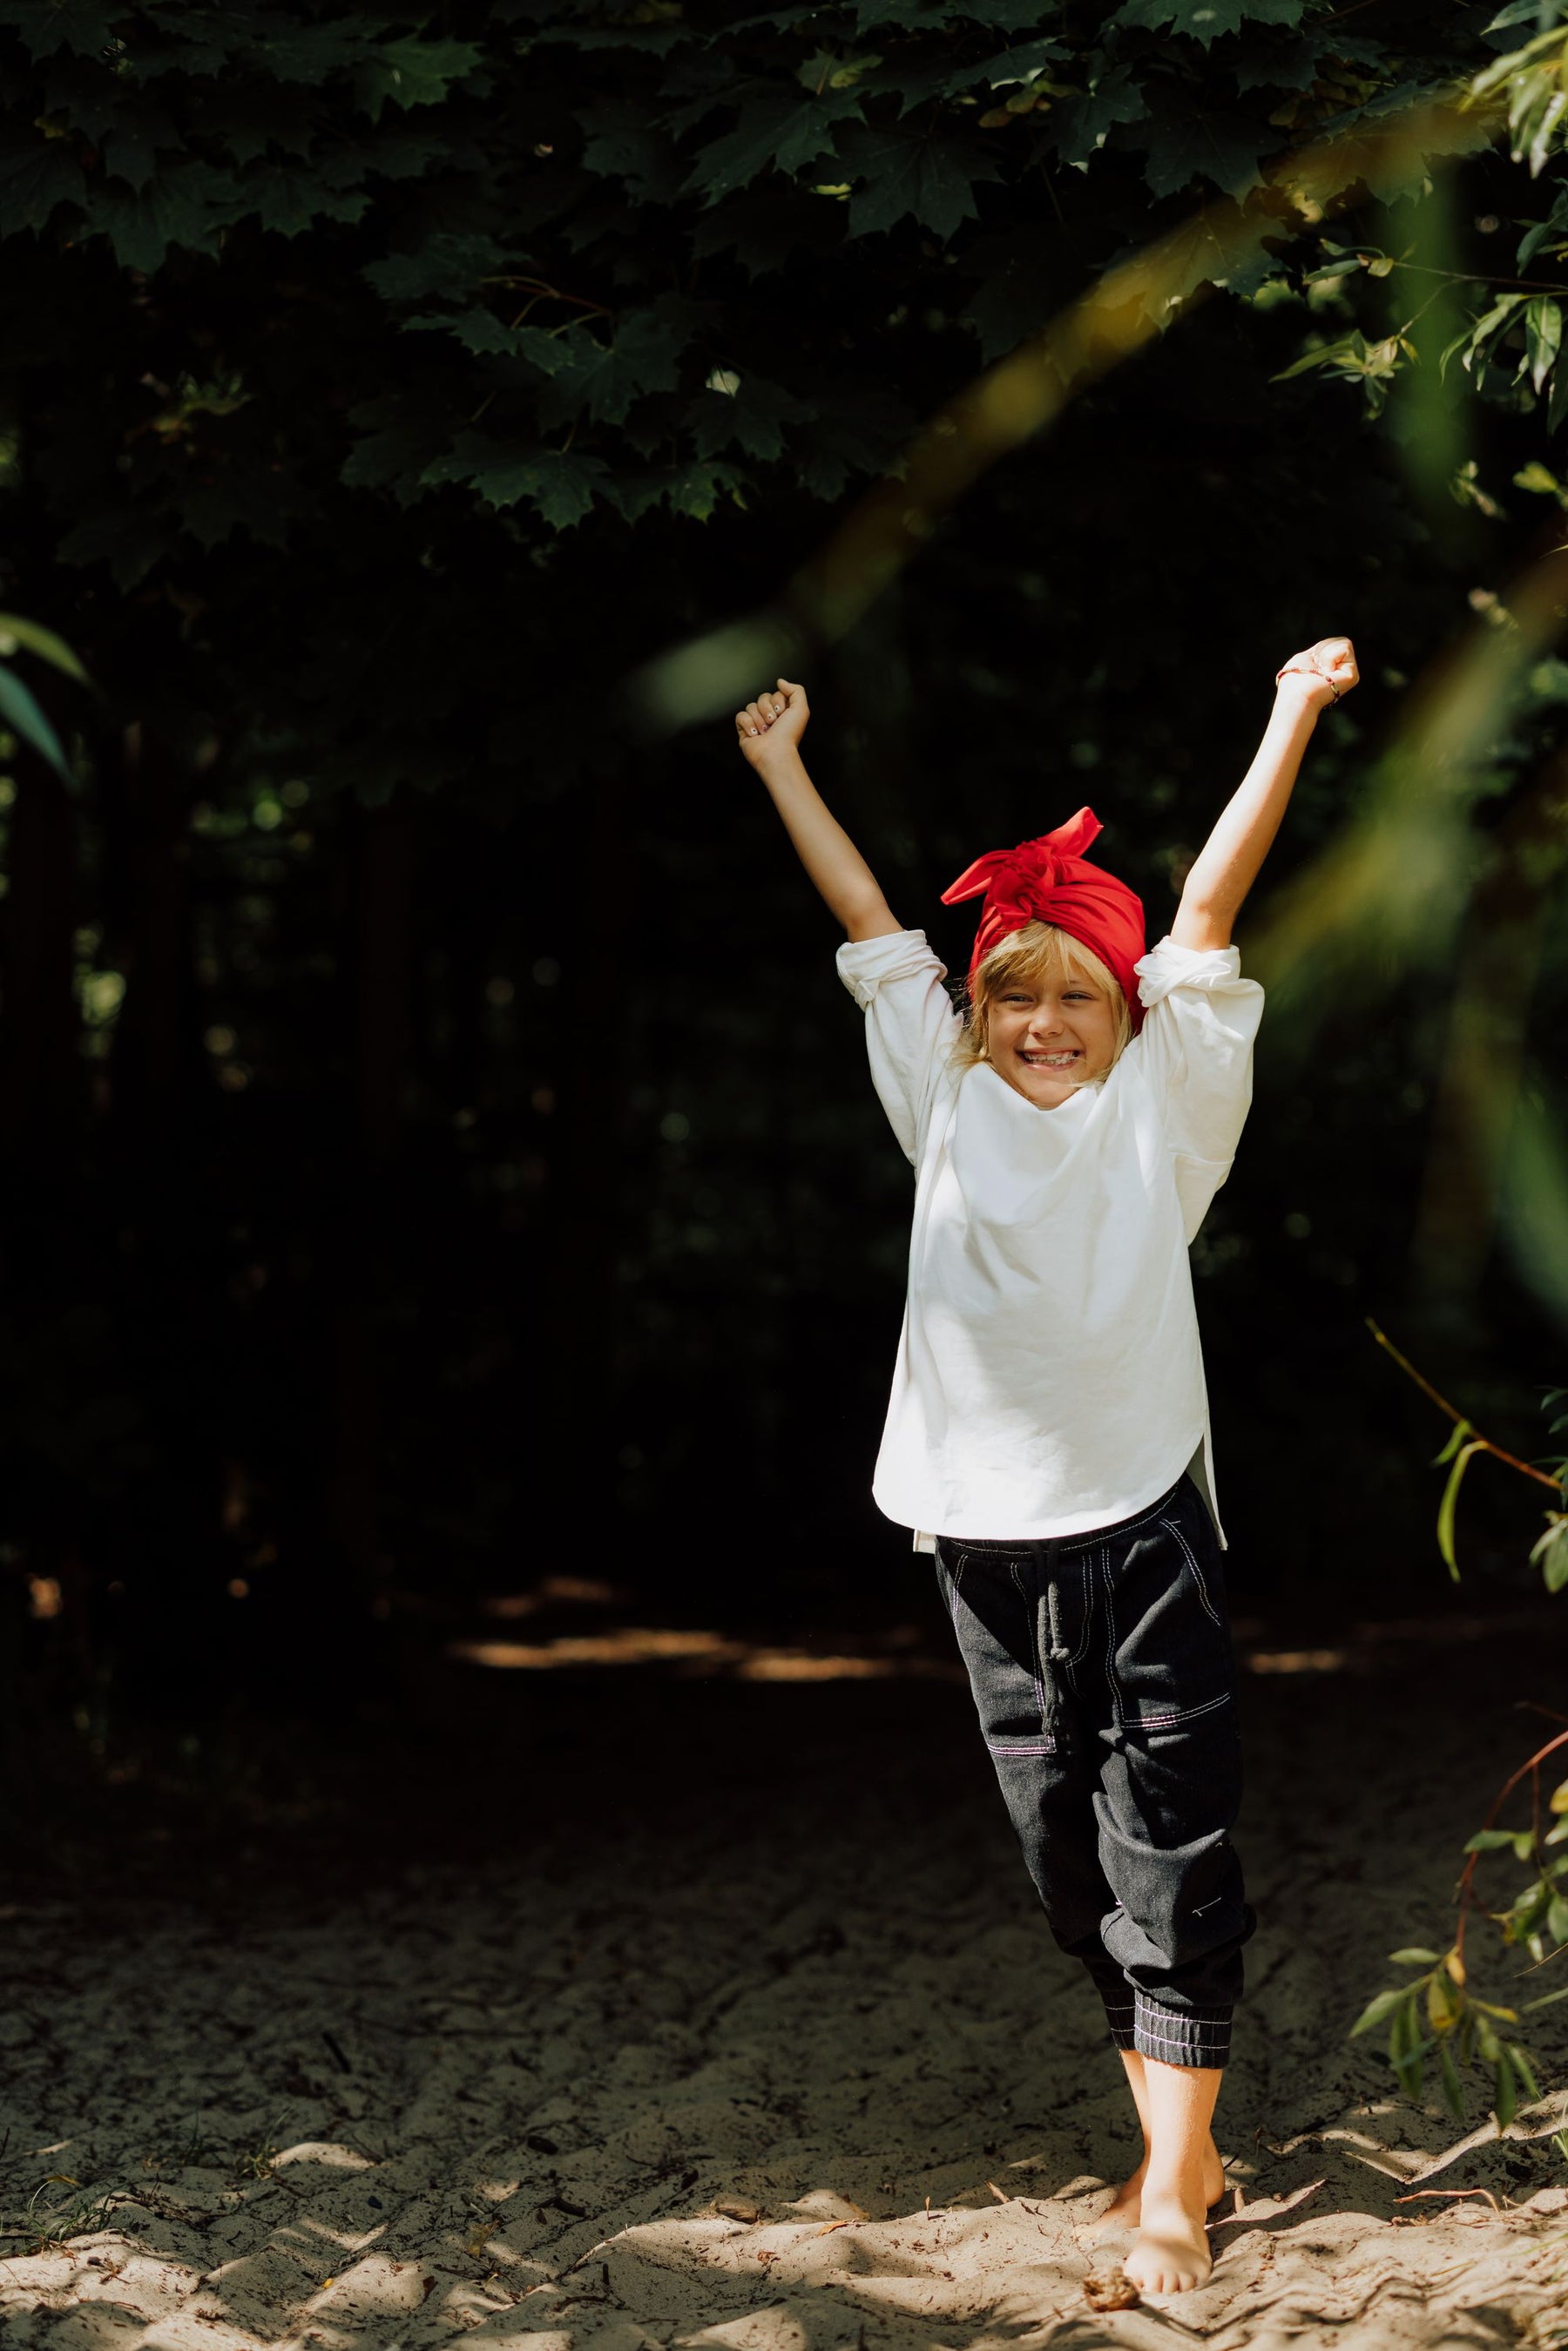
x=1490 y=2199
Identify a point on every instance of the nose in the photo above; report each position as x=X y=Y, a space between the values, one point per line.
x=1045 y=1023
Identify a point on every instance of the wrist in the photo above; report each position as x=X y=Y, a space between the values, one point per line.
x=781 y=766
x=1303 y=690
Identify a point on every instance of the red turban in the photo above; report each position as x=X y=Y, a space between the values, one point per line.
x=1051 y=881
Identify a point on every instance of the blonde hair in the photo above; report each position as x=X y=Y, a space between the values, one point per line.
x=1039 y=952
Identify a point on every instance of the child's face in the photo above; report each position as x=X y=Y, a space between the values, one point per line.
x=1048 y=1037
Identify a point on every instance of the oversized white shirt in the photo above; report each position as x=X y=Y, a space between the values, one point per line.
x=1049 y=1378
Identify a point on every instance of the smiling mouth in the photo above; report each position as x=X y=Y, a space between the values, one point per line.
x=1051 y=1060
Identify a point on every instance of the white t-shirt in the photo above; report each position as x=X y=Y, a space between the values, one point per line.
x=1049 y=1378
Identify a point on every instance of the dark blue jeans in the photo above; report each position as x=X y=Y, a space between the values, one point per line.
x=1103 y=1676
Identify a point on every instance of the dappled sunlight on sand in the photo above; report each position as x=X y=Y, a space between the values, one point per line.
x=764 y=2046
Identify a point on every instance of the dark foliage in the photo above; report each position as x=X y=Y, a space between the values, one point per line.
x=435 y=1151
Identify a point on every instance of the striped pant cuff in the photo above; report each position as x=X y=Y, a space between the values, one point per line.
x=1180 y=2036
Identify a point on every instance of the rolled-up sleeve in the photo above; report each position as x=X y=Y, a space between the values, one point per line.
x=911 y=1026
x=1200 y=1018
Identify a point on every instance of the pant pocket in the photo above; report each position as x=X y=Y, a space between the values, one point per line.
x=1169 y=1660
x=992 y=1603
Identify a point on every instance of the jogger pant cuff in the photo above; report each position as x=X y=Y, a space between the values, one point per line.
x=1176 y=2036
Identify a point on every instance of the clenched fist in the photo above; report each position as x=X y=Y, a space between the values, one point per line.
x=771 y=727
x=1323 y=674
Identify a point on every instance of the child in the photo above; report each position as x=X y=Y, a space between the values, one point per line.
x=1048 y=1434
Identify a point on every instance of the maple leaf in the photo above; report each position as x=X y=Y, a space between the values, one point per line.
x=1080 y=125
x=561 y=484
x=782 y=132
x=446 y=263
x=413 y=72
x=913 y=173
x=642 y=355
x=752 y=416
x=85 y=27
x=1226 y=149
x=1207 y=20
x=36 y=179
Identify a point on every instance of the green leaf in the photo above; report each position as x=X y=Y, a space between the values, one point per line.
x=1017 y=282
x=87 y=28
x=412 y=72
x=1384 y=2004
x=175 y=209
x=1552 y=1549
x=1489 y=1840
x=1461 y=1430
x=752 y=417
x=621 y=143
x=448 y=264
x=1547 y=2000
x=1557 y=1920
x=1413 y=1957
x=641 y=356
x=1542 y=338
x=1490 y=329
x=1506 y=2102
x=853 y=429
x=1519 y=2059
x=44 y=643
x=1207 y=20
x=398 y=438
x=561 y=484
x=1453 y=2089
x=1080 y=125
x=912 y=174
x=300 y=52
x=129 y=154
x=1450 y=1503
x=1444 y=2003
x=695 y=491
x=130 y=539
x=482 y=332
x=37 y=176
x=1409 y=2069
x=21 y=714
x=784 y=132
x=1283 y=65
x=288 y=198
x=219 y=498
x=1183 y=146
x=916 y=82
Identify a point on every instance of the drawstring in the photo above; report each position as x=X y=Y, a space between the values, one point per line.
x=1054 y=1650
x=1058 y=1653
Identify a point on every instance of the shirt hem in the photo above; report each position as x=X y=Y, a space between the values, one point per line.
x=925 y=1530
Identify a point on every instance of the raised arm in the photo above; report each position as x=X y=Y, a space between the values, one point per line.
x=770 y=730
x=1228 y=862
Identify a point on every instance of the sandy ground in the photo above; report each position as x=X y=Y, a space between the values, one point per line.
x=643 y=2012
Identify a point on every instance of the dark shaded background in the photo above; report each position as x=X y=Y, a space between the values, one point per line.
x=435 y=1152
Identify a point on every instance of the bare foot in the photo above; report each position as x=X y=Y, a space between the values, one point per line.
x=1170 y=2252
x=1125 y=2209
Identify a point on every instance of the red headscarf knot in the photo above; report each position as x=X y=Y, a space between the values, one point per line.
x=1051 y=881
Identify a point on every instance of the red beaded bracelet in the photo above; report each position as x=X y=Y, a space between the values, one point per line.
x=1294 y=669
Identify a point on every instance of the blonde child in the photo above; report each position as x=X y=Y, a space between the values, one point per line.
x=1047 y=1432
